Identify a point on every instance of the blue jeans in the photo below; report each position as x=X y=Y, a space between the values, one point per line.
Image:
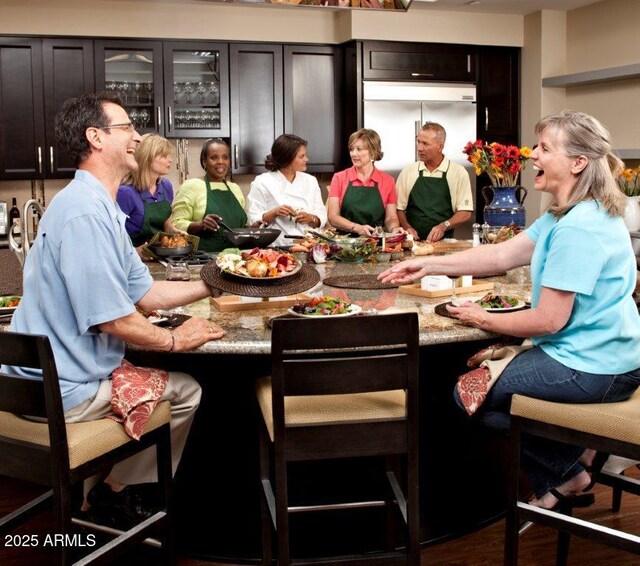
x=535 y=374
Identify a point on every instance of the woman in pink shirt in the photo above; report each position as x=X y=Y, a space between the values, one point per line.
x=362 y=197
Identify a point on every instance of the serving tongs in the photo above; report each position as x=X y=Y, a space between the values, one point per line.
x=323 y=237
x=234 y=232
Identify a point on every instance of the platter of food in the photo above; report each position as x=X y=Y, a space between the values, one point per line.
x=495 y=303
x=9 y=304
x=257 y=264
x=320 y=307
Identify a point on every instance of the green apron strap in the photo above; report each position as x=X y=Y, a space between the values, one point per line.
x=155 y=215
x=429 y=204
x=223 y=203
x=363 y=205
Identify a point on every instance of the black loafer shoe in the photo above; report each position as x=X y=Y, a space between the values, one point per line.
x=121 y=510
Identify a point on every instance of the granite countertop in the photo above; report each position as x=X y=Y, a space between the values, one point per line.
x=248 y=330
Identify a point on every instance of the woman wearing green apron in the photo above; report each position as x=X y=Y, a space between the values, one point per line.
x=145 y=195
x=362 y=197
x=201 y=202
x=429 y=204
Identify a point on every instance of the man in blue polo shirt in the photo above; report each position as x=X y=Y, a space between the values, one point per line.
x=82 y=282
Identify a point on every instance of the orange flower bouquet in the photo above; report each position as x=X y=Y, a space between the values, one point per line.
x=502 y=163
x=629 y=182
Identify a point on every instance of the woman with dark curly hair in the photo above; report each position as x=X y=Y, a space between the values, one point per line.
x=286 y=197
x=362 y=197
x=201 y=202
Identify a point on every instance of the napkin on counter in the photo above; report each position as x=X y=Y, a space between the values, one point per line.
x=489 y=362
x=135 y=392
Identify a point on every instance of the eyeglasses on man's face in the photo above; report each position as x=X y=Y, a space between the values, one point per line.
x=127 y=127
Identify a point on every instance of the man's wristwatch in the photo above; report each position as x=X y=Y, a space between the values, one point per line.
x=447 y=224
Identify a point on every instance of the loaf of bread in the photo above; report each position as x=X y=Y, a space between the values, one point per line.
x=422 y=249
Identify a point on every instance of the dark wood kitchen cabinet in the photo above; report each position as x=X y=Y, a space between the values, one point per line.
x=178 y=89
x=387 y=60
x=498 y=95
x=257 y=107
x=277 y=89
x=313 y=102
x=36 y=77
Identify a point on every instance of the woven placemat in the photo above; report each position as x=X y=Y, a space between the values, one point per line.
x=10 y=274
x=306 y=278
x=357 y=282
x=442 y=310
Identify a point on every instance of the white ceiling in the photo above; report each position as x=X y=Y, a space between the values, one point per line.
x=522 y=7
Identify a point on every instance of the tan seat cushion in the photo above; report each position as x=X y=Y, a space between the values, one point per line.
x=620 y=421
x=86 y=440
x=333 y=409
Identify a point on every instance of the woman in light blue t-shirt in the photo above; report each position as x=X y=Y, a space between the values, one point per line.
x=583 y=321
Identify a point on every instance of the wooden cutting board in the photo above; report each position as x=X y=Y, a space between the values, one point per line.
x=231 y=303
x=450 y=247
x=415 y=289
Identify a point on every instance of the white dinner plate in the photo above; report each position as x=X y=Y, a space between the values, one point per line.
x=8 y=310
x=353 y=309
x=516 y=307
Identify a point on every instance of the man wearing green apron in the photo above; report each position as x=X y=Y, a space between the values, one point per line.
x=434 y=194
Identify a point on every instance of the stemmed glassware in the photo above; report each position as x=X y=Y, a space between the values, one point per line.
x=188 y=89
x=143 y=115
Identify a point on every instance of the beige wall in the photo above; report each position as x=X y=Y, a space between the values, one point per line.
x=599 y=36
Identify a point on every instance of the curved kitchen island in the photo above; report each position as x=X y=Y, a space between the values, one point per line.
x=461 y=464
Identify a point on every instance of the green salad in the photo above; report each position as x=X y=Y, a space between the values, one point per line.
x=6 y=302
x=491 y=301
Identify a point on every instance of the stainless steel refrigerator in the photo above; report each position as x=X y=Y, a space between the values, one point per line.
x=397 y=110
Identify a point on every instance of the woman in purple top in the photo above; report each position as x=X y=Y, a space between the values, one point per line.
x=145 y=196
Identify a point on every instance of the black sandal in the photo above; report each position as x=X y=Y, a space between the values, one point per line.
x=599 y=460
x=567 y=502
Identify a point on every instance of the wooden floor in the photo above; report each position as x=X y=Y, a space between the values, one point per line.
x=483 y=548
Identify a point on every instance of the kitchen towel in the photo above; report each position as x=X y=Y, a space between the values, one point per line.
x=489 y=362
x=135 y=392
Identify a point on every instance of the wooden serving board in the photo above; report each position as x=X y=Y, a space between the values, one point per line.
x=415 y=289
x=231 y=303
x=450 y=247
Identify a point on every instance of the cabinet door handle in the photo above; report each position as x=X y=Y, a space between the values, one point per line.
x=39 y=160
x=159 y=115
x=51 y=158
x=422 y=74
x=468 y=63
x=486 y=118
x=417 y=125
x=170 y=118
x=235 y=156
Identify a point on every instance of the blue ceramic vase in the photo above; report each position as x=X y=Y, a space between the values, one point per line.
x=504 y=205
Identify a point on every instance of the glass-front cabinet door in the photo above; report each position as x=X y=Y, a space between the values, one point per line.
x=133 y=71
x=196 y=87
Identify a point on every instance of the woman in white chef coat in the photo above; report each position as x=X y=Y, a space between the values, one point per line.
x=286 y=197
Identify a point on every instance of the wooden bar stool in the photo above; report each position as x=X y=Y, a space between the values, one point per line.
x=613 y=428
x=341 y=388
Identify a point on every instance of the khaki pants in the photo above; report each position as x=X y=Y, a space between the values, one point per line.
x=183 y=393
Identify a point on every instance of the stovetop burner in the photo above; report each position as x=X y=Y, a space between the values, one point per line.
x=196 y=258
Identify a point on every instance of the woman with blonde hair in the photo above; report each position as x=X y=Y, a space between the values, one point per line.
x=145 y=196
x=362 y=197
x=583 y=322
